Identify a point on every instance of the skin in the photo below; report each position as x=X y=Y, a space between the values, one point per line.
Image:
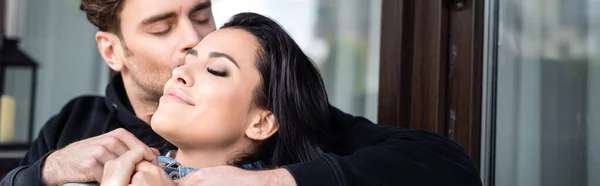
x=206 y=110
x=155 y=38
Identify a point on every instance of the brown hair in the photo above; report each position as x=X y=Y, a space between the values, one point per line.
x=104 y=14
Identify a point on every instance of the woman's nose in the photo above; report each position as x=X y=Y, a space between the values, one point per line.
x=182 y=76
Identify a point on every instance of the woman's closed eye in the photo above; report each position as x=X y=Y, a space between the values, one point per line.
x=219 y=72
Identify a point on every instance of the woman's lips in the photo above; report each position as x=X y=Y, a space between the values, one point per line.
x=177 y=95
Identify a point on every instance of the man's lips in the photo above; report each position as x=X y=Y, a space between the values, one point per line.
x=178 y=95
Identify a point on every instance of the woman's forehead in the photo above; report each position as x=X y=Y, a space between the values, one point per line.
x=236 y=43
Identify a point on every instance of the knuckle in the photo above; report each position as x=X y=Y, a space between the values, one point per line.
x=141 y=150
x=123 y=132
x=119 y=131
x=98 y=151
x=110 y=140
x=88 y=163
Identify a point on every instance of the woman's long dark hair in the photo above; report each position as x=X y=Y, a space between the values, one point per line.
x=292 y=88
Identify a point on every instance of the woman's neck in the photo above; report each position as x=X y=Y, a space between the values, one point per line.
x=209 y=157
x=201 y=159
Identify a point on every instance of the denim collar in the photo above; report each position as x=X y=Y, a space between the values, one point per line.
x=175 y=170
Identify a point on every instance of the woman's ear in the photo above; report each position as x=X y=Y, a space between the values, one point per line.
x=107 y=43
x=263 y=127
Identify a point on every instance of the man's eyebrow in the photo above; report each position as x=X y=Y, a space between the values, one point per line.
x=219 y=54
x=157 y=18
x=201 y=6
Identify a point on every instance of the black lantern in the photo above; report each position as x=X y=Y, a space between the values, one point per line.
x=18 y=81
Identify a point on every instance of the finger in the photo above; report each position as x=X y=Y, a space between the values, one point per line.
x=105 y=157
x=114 y=145
x=139 y=178
x=125 y=166
x=132 y=143
x=117 y=173
x=156 y=152
x=127 y=138
x=145 y=166
x=98 y=174
x=109 y=141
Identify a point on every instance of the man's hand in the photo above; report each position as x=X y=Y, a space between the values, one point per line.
x=133 y=168
x=149 y=174
x=228 y=175
x=83 y=161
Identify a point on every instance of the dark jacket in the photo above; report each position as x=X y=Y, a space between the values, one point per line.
x=365 y=153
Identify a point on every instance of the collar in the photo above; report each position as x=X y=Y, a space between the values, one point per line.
x=176 y=171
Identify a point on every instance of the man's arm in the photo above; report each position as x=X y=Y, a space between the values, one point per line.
x=369 y=154
x=365 y=154
x=81 y=161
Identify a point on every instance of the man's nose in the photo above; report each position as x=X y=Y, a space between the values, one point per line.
x=190 y=37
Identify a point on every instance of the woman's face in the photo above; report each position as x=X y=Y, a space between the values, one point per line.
x=208 y=102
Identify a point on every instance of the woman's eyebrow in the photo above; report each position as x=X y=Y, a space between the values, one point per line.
x=192 y=52
x=223 y=55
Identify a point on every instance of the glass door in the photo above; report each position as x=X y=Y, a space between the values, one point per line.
x=541 y=107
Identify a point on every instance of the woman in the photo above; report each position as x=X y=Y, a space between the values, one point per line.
x=246 y=95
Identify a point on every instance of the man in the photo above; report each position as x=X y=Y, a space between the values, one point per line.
x=144 y=40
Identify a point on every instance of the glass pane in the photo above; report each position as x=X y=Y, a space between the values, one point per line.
x=14 y=112
x=548 y=87
x=340 y=36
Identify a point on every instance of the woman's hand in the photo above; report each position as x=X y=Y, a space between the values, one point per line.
x=147 y=173
x=118 y=172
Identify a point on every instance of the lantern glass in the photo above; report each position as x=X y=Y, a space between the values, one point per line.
x=15 y=112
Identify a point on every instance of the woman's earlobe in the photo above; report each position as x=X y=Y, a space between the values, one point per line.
x=264 y=127
x=106 y=46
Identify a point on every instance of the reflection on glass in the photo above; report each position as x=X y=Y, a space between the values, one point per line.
x=548 y=104
x=341 y=36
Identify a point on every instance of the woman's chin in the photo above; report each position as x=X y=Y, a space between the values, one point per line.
x=161 y=123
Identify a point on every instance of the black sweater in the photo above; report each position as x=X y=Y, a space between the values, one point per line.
x=365 y=153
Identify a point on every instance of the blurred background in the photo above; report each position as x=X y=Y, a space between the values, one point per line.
x=58 y=36
x=548 y=87
x=515 y=82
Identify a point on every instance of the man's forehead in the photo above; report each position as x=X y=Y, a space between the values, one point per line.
x=144 y=8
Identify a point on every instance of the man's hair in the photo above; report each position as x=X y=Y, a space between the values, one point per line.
x=104 y=14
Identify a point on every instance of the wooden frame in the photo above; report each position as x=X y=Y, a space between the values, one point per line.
x=431 y=68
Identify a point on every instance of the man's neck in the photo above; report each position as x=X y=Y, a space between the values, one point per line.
x=142 y=107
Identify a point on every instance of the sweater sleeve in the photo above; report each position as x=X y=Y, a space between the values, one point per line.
x=369 y=154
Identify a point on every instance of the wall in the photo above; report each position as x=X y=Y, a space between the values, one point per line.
x=58 y=36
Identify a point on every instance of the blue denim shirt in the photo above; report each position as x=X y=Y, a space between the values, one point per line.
x=175 y=170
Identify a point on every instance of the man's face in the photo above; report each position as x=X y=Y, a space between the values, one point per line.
x=156 y=35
